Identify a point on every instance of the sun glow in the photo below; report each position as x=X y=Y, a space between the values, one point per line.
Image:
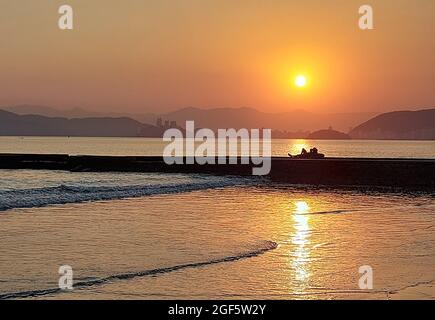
x=301 y=81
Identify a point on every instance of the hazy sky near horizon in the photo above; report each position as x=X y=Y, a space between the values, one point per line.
x=161 y=55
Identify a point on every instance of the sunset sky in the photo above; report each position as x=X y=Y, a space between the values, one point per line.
x=161 y=55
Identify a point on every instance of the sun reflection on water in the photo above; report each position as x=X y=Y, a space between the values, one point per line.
x=301 y=240
x=302 y=207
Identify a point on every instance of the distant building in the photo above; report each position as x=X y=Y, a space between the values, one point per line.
x=166 y=124
x=159 y=123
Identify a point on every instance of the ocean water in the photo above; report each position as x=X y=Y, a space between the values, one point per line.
x=155 y=147
x=169 y=236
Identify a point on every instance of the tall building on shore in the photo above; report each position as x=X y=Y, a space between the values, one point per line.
x=159 y=123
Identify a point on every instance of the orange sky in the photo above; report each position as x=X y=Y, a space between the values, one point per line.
x=160 y=55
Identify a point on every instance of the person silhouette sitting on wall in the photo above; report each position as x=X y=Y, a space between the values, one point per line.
x=313 y=154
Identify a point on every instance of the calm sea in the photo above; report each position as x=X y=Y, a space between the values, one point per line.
x=154 y=146
x=165 y=236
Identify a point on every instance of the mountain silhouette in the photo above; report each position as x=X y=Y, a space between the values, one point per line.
x=412 y=125
x=292 y=121
x=50 y=112
x=296 y=120
x=416 y=125
x=77 y=113
x=328 y=134
x=34 y=125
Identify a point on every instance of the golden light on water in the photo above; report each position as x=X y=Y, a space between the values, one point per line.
x=300 y=239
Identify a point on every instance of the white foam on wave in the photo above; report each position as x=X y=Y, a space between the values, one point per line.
x=63 y=194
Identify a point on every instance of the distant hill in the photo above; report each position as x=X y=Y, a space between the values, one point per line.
x=298 y=123
x=292 y=121
x=412 y=125
x=12 y=124
x=296 y=120
x=328 y=134
x=49 y=111
x=77 y=113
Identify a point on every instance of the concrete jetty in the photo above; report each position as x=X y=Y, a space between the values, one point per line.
x=405 y=173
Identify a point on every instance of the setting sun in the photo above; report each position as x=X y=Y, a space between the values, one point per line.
x=301 y=81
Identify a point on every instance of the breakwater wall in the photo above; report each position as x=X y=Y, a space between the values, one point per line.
x=328 y=171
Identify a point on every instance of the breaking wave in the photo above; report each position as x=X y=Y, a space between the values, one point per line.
x=63 y=194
